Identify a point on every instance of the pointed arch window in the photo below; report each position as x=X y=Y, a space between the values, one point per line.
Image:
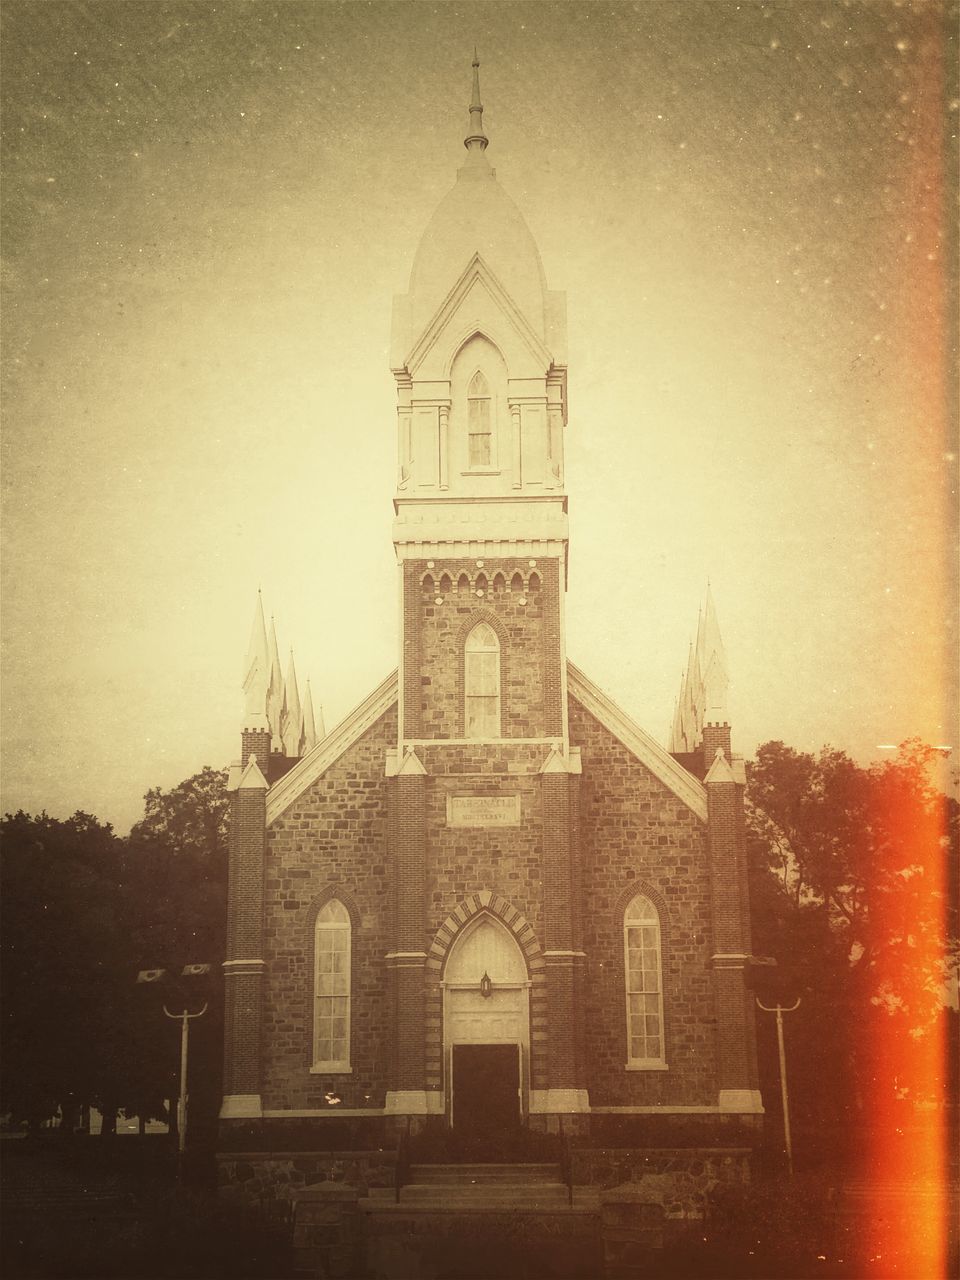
x=481 y=683
x=331 y=1013
x=479 y=422
x=644 y=986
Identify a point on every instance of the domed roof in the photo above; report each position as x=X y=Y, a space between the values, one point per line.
x=477 y=216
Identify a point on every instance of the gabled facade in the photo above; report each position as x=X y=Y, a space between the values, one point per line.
x=487 y=901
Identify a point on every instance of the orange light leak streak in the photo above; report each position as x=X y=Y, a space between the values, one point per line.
x=906 y=1142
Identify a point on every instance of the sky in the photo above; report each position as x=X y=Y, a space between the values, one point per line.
x=207 y=208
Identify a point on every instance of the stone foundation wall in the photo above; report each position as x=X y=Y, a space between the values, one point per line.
x=253 y=1178
x=679 y=1180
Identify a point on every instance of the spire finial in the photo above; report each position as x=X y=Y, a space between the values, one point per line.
x=476 y=139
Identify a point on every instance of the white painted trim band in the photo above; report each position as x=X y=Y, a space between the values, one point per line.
x=554 y=1101
x=241 y=1106
x=413 y=1102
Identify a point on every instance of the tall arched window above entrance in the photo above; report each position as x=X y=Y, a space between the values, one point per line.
x=642 y=966
x=479 y=422
x=331 y=1013
x=481 y=683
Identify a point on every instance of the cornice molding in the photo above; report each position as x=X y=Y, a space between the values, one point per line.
x=283 y=792
x=649 y=752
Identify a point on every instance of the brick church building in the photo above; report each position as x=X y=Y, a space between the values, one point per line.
x=487 y=902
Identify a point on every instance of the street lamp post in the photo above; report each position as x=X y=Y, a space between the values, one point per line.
x=780 y=1010
x=184 y=1017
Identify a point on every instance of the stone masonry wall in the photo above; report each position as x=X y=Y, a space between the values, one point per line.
x=638 y=837
x=529 y=648
x=332 y=835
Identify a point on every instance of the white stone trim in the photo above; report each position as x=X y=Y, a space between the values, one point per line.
x=472 y=742
x=664 y=1109
x=438 y=547
x=241 y=1106
x=559 y=952
x=653 y=1065
x=252 y=778
x=720 y=770
x=649 y=752
x=554 y=1101
x=742 y=1101
x=316 y=762
x=327 y=1113
x=413 y=1102
x=252 y=966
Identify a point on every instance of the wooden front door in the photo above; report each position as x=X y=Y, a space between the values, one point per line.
x=486 y=1091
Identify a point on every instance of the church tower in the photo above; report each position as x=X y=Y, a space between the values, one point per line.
x=479 y=358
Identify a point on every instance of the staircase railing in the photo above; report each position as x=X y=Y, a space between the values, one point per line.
x=566 y=1166
x=401 y=1169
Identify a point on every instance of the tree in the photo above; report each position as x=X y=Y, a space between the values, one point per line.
x=82 y=912
x=849 y=870
x=177 y=863
x=66 y=955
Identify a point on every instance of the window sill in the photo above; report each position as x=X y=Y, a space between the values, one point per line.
x=482 y=471
x=331 y=1069
x=646 y=1066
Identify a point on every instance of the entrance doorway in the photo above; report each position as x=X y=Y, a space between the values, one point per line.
x=486 y=1031
x=486 y=1092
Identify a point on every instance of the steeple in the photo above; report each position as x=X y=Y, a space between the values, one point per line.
x=291 y=719
x=308 y=733
x=274 y=688
x=476 y=139
x=703 y=689
x=256 y=673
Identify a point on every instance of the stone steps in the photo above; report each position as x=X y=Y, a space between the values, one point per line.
x=485 y=1174
x=482 y=1188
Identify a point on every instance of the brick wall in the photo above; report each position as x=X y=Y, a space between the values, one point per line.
x=529 y=637
x=637 y=836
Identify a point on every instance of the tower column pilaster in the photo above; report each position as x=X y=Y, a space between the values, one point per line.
x=736 y=1040
x=407 y=840
x=244 y=966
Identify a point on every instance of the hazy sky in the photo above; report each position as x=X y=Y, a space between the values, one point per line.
x=208 y=207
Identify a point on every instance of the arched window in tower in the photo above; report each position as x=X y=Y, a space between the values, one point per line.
x=331 y=1014
x=479 y=422
x=481 y=683
x=642 y=971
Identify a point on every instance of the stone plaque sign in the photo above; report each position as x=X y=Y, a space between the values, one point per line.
x=483 y=811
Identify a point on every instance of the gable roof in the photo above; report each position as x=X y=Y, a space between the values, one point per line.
x=316 y=762
x=477 y=270
x=649 y=752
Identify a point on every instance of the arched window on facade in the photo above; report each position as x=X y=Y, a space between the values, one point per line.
x=481 y=683
x=479 y=422
x=331 y=1014
x=644 y=987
